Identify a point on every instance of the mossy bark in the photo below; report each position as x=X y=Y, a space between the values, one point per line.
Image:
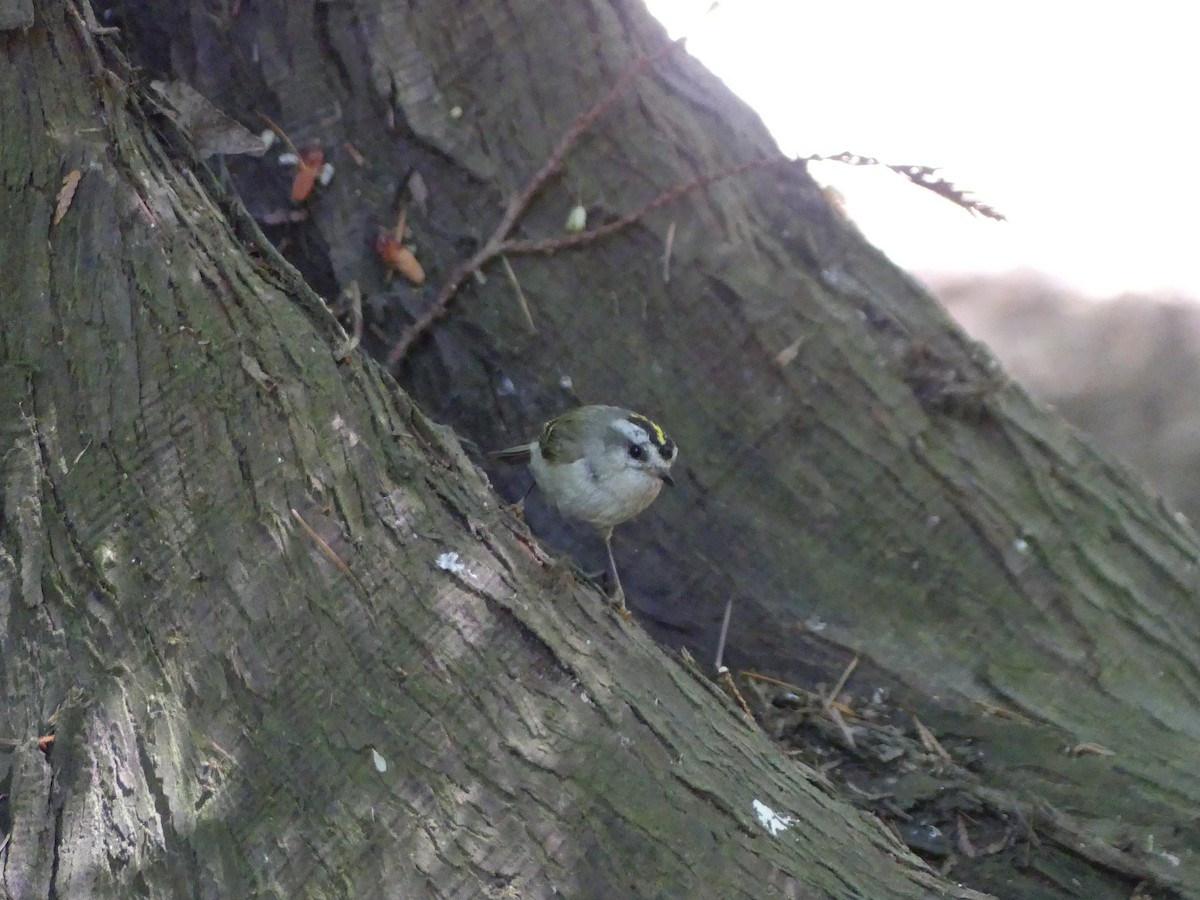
x=285 y=641
x=224 y=694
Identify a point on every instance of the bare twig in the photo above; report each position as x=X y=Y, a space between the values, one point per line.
x=494 y=248
x=520 y=203
x=440 y=303
x=668 y=245
x=841 y=683
x=797 y=690
x=965 y=847
x=524 y=304
x=500 y=241
x=724 y=634
x=724 y=676
x=566 y=241
x=922 y=176
x=329 y=552
x=281 y=133
x=725 y=679
x=835 y=716
x=931 y=743
x=990 y=709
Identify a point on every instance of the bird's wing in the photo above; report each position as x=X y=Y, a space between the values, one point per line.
x=515 y=455
x=554 y=449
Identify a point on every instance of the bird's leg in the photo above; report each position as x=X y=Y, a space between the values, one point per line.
x=618 y=597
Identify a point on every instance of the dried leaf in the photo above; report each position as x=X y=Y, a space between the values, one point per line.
x=312 y=161
x=66 y=194
x=355 y=154
x=788 y=354
x=399 y=258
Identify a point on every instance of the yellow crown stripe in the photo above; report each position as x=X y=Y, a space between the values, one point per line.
x=659 y=437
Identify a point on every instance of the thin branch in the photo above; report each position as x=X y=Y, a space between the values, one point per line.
x=841 y=683
x=567 y=241
x=329 y=552
x=930 y=742
x=585 y=120
x=500 y=243
x=441 y=303
x=494 y=247
x=520 y=203
x=524 y=304
x=725 y=679
x=922 y=176
x=668 y=243
x=835 y=716
x=724 y=633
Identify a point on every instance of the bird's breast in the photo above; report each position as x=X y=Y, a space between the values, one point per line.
x=602 y=500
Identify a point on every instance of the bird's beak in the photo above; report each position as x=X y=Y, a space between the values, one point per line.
x=667 y=479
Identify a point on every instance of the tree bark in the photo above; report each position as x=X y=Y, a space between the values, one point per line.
x=224 y=694
x=280 y=631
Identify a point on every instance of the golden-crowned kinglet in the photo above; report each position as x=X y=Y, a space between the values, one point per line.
x=601 y=464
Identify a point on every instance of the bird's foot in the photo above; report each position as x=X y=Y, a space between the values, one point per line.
x=604 y=581
x=618 y=600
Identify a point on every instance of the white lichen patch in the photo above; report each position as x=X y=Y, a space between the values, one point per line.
x=378 y=760
x=771 y=820
x=342 y=427
x=450 y=562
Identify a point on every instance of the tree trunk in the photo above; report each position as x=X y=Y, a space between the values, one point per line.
x=234 y=712
x=285 y=639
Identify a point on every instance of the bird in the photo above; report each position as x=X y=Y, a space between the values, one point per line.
x=601 y=465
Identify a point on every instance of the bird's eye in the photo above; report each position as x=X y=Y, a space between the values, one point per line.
x=635 y=451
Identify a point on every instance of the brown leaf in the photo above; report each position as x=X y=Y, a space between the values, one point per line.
x=355 y=154
x=312 y=160
x=399 y=258
x=66 y=194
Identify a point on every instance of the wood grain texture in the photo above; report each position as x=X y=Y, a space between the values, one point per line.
x=847 y=458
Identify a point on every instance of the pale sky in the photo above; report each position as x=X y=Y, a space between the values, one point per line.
x=1076 y=120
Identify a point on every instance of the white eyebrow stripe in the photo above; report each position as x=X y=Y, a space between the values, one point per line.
x=635 y=433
